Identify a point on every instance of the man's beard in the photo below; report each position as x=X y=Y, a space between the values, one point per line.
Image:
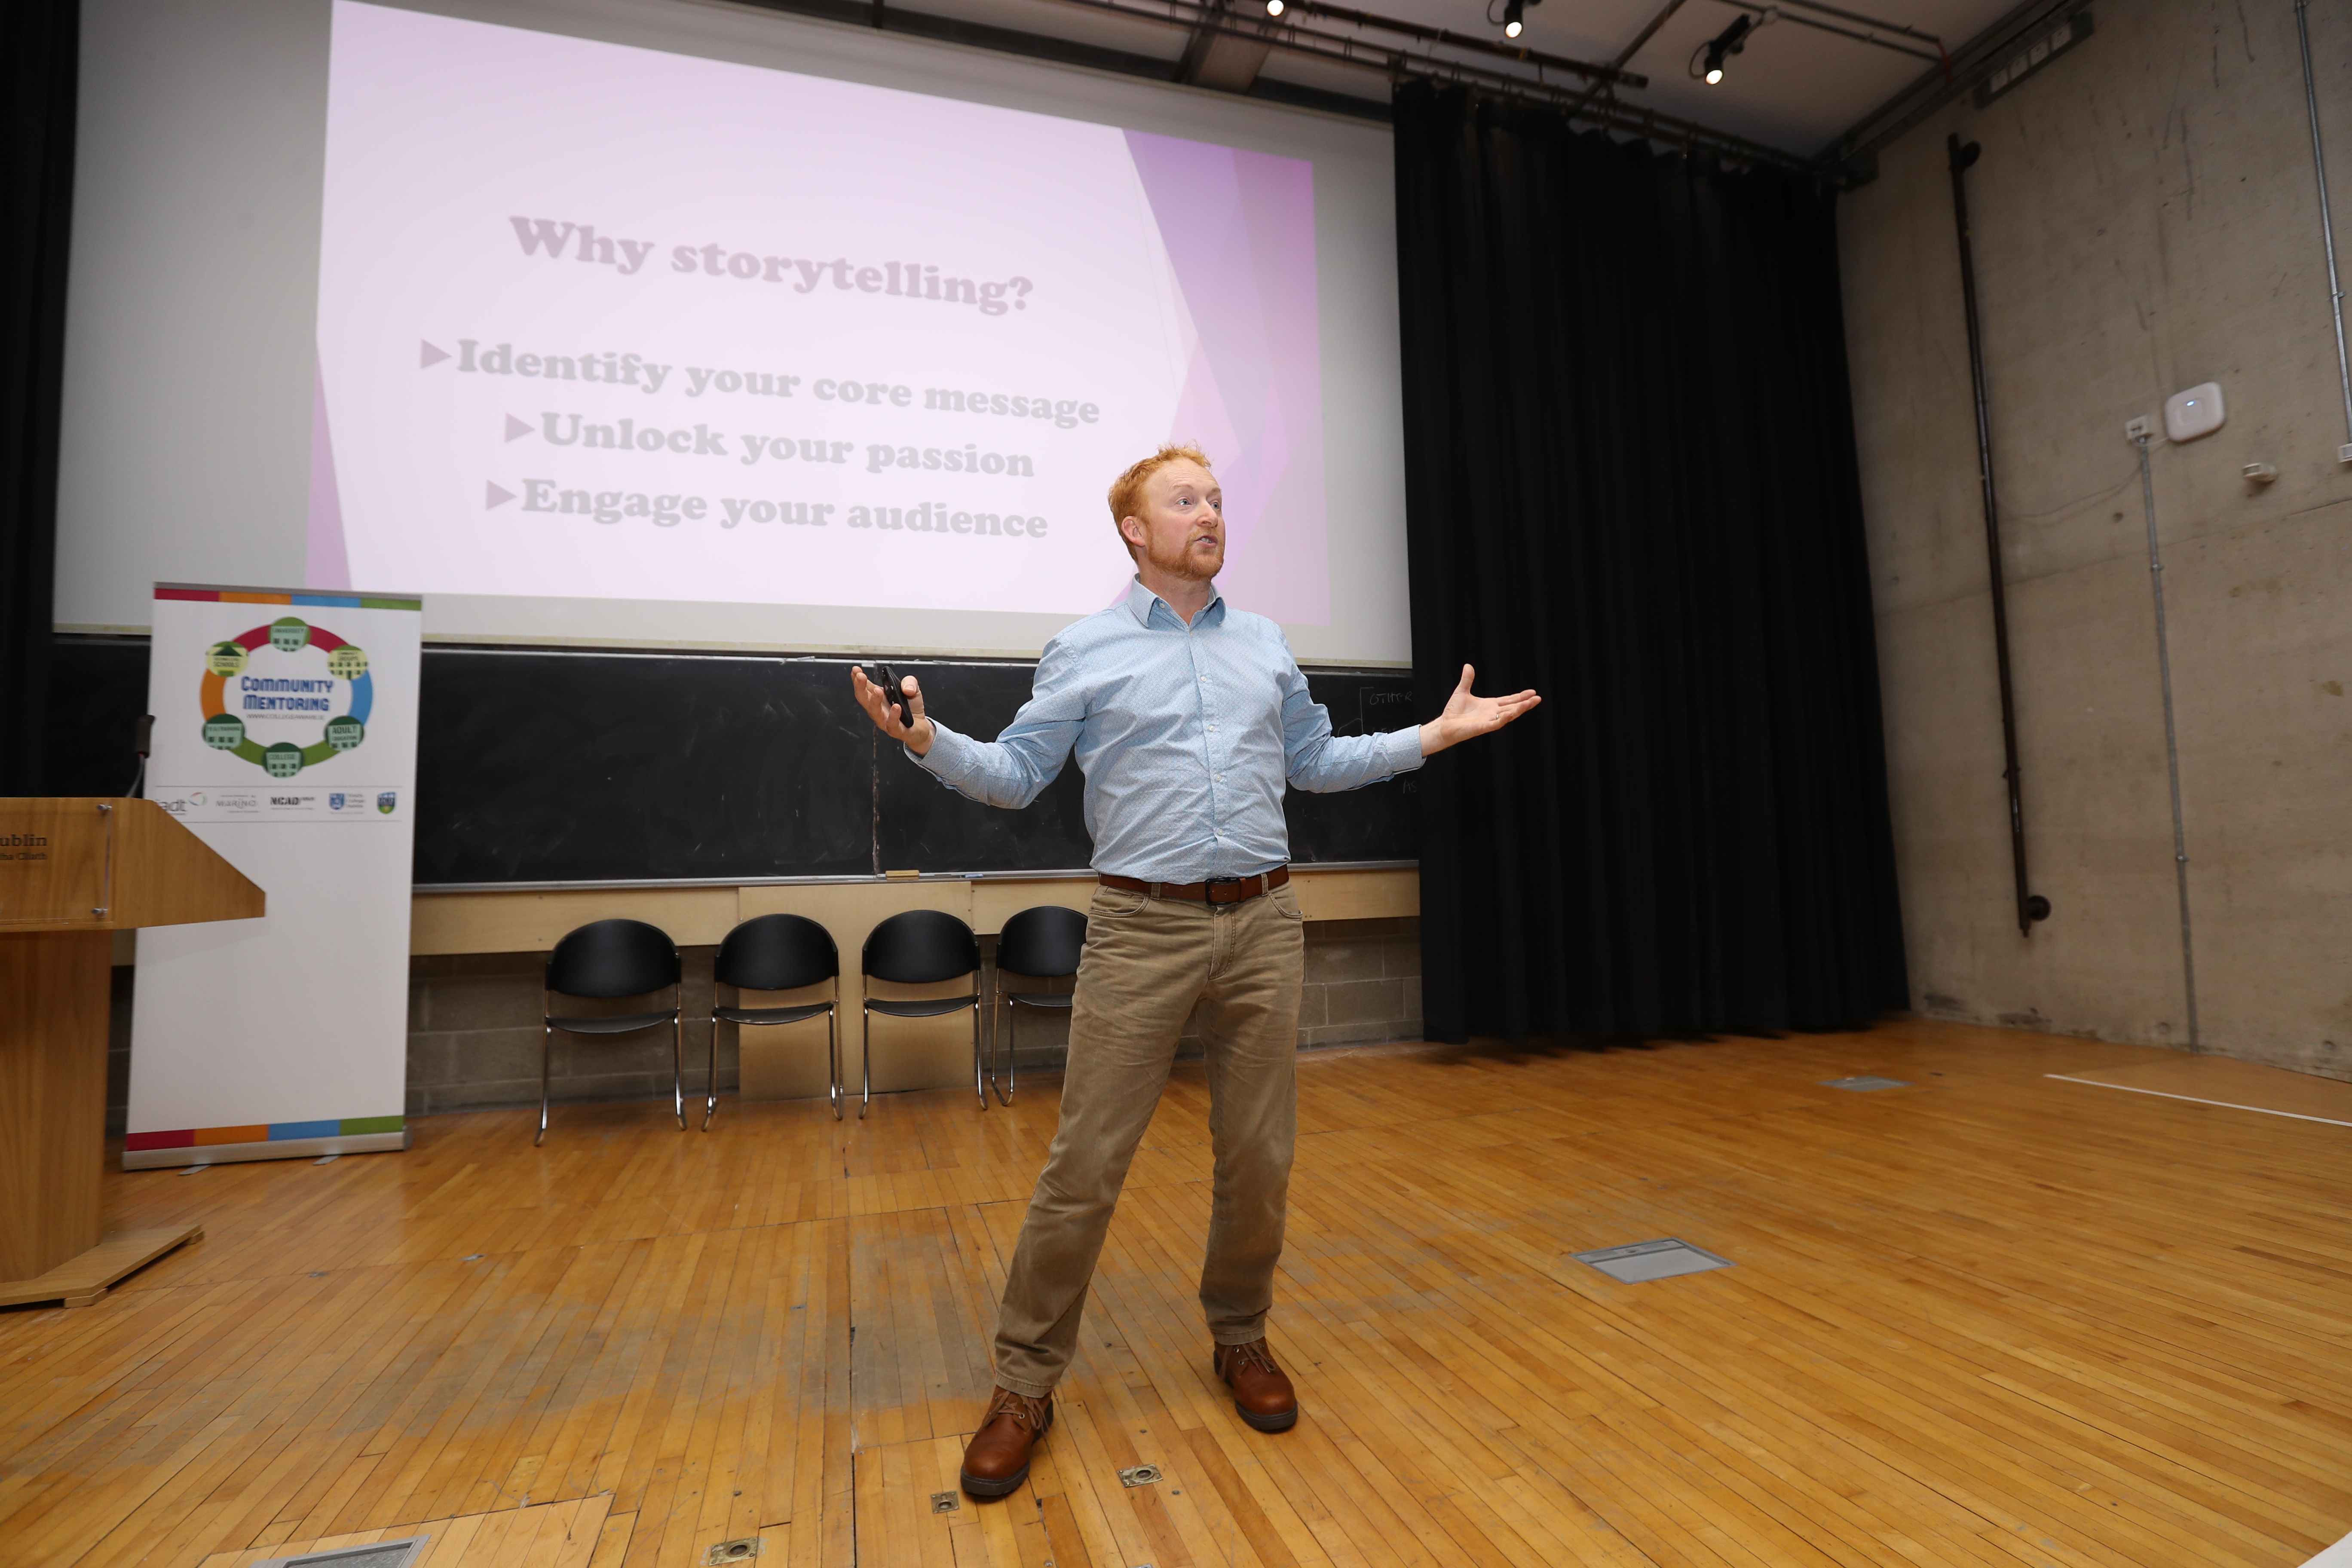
x=1182 y=562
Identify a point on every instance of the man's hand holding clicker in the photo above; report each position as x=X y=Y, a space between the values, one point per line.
x=904 y=724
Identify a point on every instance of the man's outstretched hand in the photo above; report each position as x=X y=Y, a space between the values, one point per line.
x=905 y=724
x=1466 y=715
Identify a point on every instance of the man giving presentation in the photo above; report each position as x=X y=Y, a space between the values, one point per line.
x=1188 y=718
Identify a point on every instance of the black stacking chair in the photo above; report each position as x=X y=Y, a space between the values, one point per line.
x=776 y=952
x=606 y=958
x=1042 y=943
x=915 y=949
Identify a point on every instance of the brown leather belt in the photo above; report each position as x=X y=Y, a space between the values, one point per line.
x=1224 y=890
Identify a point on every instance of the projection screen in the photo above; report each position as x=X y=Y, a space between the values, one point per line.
x=647 y=337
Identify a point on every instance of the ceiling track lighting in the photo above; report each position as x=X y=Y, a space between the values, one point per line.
x=1723 y=45
x=1708 y=61
x=1514 y=16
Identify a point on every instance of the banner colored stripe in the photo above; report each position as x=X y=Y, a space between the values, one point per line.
x=333 y=601
x=283 y=1129
x=276 y=1131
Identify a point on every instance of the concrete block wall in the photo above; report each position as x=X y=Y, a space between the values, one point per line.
x=474 y=1034
x=2146 y=219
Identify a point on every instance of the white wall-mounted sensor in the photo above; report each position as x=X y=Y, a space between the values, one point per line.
x=2194 y=412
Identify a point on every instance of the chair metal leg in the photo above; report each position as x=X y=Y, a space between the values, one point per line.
x=978 y=1083
x=546 y=1051
x=998 y=1003
x=865 y=1055
x=710 y=1077
x=677 y=1065
x=833 y=1056
x=1012 y=1044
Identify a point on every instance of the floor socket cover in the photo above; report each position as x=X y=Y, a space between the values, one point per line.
x=1865 y=1084
x=945 y=1503
x=739 y=1551
x=1139 y=1475
x=375 y=1554
x=1645 y=1260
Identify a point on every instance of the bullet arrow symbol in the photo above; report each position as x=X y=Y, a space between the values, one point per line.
x=498 y=497
x=517 y=428
x=431 y=356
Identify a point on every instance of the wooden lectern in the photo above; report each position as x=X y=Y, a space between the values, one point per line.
x=72 y=873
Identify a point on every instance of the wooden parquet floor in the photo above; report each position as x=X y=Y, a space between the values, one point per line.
x=1993 y=1319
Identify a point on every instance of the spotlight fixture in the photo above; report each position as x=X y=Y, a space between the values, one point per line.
x=1514 y=16
x=1725 y=45
x=1274 y=7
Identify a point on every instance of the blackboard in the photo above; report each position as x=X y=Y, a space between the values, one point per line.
x=569 y=766
x=562 y=767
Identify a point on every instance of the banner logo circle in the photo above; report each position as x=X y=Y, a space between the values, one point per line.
x=346 y=663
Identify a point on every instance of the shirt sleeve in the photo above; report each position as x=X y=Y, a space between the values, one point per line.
x=1015 y=769
x=1319 y=761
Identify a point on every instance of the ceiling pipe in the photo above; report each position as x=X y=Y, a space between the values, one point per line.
x=1860 y=20
x=1852 y=158
x=1400 y=65
x=1589 y=70
x=1626 y=54
x=1777 y=10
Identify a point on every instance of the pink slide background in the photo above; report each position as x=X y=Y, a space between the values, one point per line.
x=1171 y=281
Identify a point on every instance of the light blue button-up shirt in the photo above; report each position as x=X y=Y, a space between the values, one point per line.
x=1186 y=735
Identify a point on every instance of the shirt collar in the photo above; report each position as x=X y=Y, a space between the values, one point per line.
x=1140 y=601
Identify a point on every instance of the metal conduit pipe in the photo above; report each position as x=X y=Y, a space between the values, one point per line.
x=2327 y=224
x=2030 y=906
x=2172 y=744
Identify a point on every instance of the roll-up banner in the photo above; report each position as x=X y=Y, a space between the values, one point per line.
x=286 y=738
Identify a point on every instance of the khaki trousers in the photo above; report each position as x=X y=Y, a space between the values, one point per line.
x=1146 y=962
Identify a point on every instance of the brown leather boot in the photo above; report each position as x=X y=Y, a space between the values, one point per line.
x=1262 y=1394
x=996 y=1460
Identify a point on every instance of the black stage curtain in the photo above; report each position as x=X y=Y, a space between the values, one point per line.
x=1631 y=484
x=40 y=51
